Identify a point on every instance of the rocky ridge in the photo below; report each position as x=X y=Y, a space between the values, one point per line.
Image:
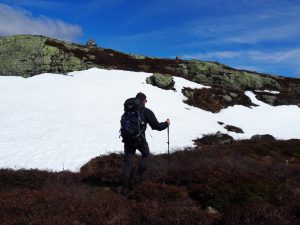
x=28 y=55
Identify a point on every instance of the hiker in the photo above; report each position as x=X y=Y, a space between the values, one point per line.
x=139 y=142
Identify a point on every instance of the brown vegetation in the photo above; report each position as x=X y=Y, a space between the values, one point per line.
x=246 y=182
x=215 y=99
x=108 y=58
x=287 y=97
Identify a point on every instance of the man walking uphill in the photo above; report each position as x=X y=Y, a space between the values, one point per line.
x=133 y=126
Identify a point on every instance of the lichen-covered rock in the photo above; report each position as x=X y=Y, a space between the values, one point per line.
x=227 y=98
x=214 y=99
x=203 y=79
x=240 y=80
x=285 y=97
x=214 y=139
x=206 y=68
x=188 y=93
x=135 y=56
x=233 y=95
x=182 y=70
x=25 y=56
x=163 y=81
x=270 y=99
x=263 y=137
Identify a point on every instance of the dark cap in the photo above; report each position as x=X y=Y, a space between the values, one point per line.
x=141 y=96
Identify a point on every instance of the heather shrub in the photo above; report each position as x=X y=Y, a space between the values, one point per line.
x=245 y=182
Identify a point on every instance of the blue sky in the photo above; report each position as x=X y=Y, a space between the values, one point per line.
x=260 y=35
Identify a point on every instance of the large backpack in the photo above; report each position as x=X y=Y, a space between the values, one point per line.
x=131 y=129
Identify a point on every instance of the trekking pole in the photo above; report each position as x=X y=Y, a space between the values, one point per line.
x=168 y=148
x=168 y=157
x=168 y=142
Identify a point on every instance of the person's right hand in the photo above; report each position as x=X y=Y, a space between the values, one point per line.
x=168 y=121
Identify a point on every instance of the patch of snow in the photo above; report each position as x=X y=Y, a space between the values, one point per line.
x=53 y=121
x=283 y=122
x=268 y=91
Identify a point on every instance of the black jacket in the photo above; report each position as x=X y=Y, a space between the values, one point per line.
x=148 y=117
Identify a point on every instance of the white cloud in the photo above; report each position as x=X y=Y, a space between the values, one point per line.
x=44 y=4
x=279 y=23
x=255 y=60
x=214 y=55
x=297 y=72
x=86 y=8
x=18 y=21
x=250 y=68
x=289 y=56
x=268 y=33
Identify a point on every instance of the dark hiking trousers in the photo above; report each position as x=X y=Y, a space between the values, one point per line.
x=129 y=152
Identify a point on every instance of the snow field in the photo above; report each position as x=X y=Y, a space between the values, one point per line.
x=58 y=122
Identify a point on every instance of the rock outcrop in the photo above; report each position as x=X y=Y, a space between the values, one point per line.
x=263 y=137
x=28 y=55
x=91 y=43
x=163 y=81
x=216 y=98
x=234 y=129
x=215 y=139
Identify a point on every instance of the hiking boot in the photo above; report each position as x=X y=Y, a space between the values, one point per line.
x=125 y=186
x=123 y=190
x=136 y=178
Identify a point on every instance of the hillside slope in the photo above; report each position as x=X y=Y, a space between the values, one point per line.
x=26 y=55
x=240 y=183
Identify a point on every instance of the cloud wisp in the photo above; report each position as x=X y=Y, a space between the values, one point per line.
x=253 y=59
x=292 y=56
x=61 y=6
x=18 y=21
x=212 y=55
